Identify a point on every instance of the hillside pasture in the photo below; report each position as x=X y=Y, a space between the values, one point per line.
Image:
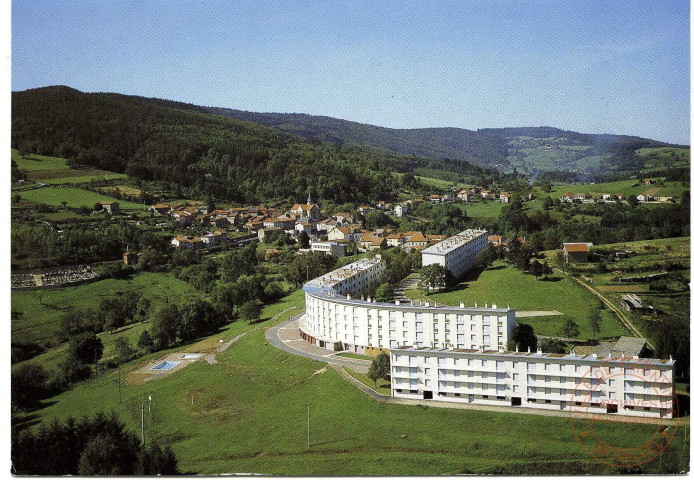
x=247 y=413
x=32 y=162
x=505 y=285
x=75 y=197
x=40 y=309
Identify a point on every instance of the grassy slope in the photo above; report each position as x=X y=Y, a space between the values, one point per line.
x=75 y=197
x=42 y=308
x=508 y=286
x=249 y=415
x=38 y=162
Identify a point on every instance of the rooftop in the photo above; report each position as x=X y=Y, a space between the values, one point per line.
x=594 y=358
x=454 y=242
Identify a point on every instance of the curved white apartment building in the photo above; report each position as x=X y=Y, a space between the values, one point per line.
x=336 y=320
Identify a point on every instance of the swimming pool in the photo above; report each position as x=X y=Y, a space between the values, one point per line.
x=166 y=366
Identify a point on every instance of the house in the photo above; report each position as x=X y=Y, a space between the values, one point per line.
x=253 y=225
x=435 y=198
x=264 y=234
x=606 y=196
x=160 y=208
x=400 y=210
x=484 y=193
x=495 y=240
x=631 y=302
x=504 y=197
x=326 y=225
x=619 y=196
x=110 y=207
x=567 y=197
x=343 y=217
x=336 y=249
x=364 y=209
x=306 y=210
x=576 y=252
x=212 y=239
x=371 y=241
x=464 y=195
x=285 y=223
x=191 y=243
x=648 y=181
x=271 y=253
x=415 y=240
x=395 y=239
x=349 y=234
x=644 y=197
x=582 y=196
x=305 y=226
x=127 y=257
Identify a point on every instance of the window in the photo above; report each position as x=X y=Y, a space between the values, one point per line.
x=515 y=377
x=515 y=364
x=427 y=371
x=442 y=362
x=612 y=395
x=613 y=382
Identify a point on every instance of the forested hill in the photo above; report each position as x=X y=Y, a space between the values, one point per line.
x=207 y=154
x=456 y=143
x=527 y=149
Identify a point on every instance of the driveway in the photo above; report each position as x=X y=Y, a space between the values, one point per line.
x=285 y=336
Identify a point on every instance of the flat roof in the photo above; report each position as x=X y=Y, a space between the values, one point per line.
x=552 y=356
x=451 y=243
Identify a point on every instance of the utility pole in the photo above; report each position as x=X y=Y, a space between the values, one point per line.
x=143 y=424
x=308 y=425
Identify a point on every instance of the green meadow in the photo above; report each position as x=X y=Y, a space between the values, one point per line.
x=248 y=413
x=39 y=310
x=75 y=198
x=505 y=285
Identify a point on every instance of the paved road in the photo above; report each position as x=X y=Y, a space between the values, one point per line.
x=285 y=336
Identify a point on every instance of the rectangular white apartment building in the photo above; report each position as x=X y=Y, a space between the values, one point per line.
x=580 y=383
x=457 y=253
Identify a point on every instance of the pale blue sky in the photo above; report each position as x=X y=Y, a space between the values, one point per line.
x=595 y=67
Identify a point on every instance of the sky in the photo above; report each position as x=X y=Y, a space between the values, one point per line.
x=595 y=66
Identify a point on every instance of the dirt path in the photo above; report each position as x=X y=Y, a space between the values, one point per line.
x=620 y=315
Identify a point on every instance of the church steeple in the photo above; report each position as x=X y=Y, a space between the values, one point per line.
x=308 y=201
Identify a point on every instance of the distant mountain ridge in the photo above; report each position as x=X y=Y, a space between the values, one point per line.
x=533 y=151
x=528 y=149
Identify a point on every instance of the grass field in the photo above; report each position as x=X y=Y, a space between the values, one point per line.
x=481 y=209
x=382 y=386
x=40 y=309
x=83 y=176
x=247 y=413
x=38 y=162
x=75 y=198
x=505 y=285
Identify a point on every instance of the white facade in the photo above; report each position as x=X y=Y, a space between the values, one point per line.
x=331 y=248
x=400 y=210
x=457 y=253
x=583 y=384
x=337 y=321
